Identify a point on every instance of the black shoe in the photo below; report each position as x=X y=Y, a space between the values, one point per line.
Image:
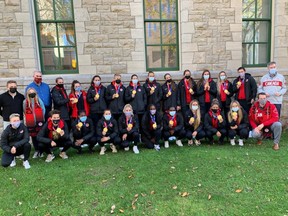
x=91 y=151
x=79 y=151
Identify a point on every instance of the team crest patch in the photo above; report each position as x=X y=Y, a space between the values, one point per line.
x=40 y=124
x=87 y=124
x=22 y=131
x=139 y=90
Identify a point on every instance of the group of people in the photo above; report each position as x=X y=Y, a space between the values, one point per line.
x=121 y=116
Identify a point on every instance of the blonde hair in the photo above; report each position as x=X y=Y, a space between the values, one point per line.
x=198 y=114
x=239 y=112
x=126 y=106
x=219 y=81
x=28 y=99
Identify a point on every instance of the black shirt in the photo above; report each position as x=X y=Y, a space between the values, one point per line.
x=9 y=105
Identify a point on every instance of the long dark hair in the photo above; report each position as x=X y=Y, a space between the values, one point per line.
x=201 y=81
x=73 y=85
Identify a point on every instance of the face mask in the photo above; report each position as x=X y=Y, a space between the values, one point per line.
x=56 y=122
x=272 y=71
x=135 y=81
x=83 y=118
x=78 y=89
x=97 y=83
x=38 y=80
x=128 y=113
x=242 y=74
x=194 y=107
x=32 y=95
x=151 y=79
x=206 y=77
x=222 y=77
x=235 y=109
x=13 y=90
x=152 y=112
x=262 y=101
x=187 y=77
x=172 y=113
x=118 y=81
x=16 y=124
x=107 y=117
x=214 y=110
x=169 y=80
x=60 y=85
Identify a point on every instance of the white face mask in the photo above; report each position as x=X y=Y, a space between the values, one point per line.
x=194 y=107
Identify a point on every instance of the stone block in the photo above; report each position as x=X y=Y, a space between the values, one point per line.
x=226 y=12
x=236 y=4
x=103 y=69
x=27 y=29
x=137 y=33
x=103 y=8
x=199 y=58
x=12 y=2
x=187 y=58
x=97 y=59
x=235 y=27
x=77 y=4
x=27 y=41
x=186 y=38
x=88 y=3
x=110 y=60
x=25 y=5
x=139 y=45
x=81 y=14
x=131 y=24
x=233 y=45
x=82 y=37
x=110 y=45
x=187 y=28
x=23 y=17
x=15 y=63
x=187 y=4
x=189 y=47
x=139 y=23
x=136 y=66
x=214 y=22
x=232 y=64
x=26 y=53
x=98 y=38
x=84 y=59
x=80 y=27
x=236 y=55
x=196 y=18
x=3 y=65
x=85 y=69
x=119 y=69
x=127 y=43
x=136 y=9
x=9 y=17
x=30 y=63
x=108 y=30
x=5 y=32
x=120 y=9
x=138 y=56
x=8 y=55
x=92 y=29
x=15 y=32
x=108 y=17
x=237 y=36
x=23 y=72
x=184 y=16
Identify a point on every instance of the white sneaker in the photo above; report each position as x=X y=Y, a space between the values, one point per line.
x=197 y=142
x=250 y=134
x=241 y=142
x=166 y=144
x=157 y=147
x=190 y=142
x=113 y=148
x=63 y=155
x=126 y=149
x=232 y=142
x=36 y=154
x=49 y=158
x=13 y=163
x=41 y=155
x=135 y=150
x=179 y=143
x=26 y=164
x=102 y=151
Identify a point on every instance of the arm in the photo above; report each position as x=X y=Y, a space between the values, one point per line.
x=128 y=95
x=57 y=98
x=213 y=89
x=180 y=122
x=90 y=96
x=284 y=88
x=108 y=94
x=274 y=117
x=25 y=137
x=252 y=117
x=253 y=87
x=41 y=135
x=91 y=133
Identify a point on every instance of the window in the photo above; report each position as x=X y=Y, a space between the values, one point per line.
x=256 y=32
x=161 y=35
x=56 y=36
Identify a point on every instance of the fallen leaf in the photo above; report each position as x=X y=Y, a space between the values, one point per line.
x=136 y=196
x=143 y=195
x=152 y=192
x=184 y=194
x=174 y=187
x=20 y=203
x=121 y=210
x=172 y=167
x=133 y=207
x=209 y=196
x=131 y=176
x=238 y=191
x=199 y=185
x=112 y=209
x=104 y=181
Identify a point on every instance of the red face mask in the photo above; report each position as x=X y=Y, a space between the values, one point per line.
x=37 y=80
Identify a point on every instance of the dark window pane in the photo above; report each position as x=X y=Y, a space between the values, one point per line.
x=154 y=56
x=50 y=58
x=68 y=58
x=63 y=10
x=247 y=54
x=152 y=8
x=66 y=34
x=263 y=8
x=261 y=53
x=153 y=33
x=261 y=31
x=169 y=55
x=48 y=34
x=168 y=9
x=247 y=31
x=169 y=33
x=45 y=9
x=248 y=8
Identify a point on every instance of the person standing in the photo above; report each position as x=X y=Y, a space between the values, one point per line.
x=169 y=90
x=43 y=91
x=11 y=101
x=274 y=86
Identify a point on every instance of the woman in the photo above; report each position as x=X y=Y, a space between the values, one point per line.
x=173 y=127
x=214 y=123
x=34 y=113
x=169 y=89
x=129 y=129
x=238 y=123
x=193 y=124
x=96 y=99
x=107 y=132
x=187 y=91
x=78 y=99
x=207 y=91
x=224 y=91
x=152 y=128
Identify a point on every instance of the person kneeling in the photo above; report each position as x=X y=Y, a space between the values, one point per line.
x=15 y=142
x=173 y=127
x=53 y=134
x=107 y=132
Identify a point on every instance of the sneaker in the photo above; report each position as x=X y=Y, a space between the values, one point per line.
x=276 y=147
x=157 y=147
x=232 y=142
x=241 y=142
x=135 y=150
x=190 y=142
x=63 y=155
x=36 y=154
x=41 y=155
x=250 y=134
x=197 y=142
x=166 y=144
x=113 y=148
x=102 y=151
x=126 y=149
x=13 y=163
x=26 y=164
x=20 y=156
x=179 y=143
x=49 y=158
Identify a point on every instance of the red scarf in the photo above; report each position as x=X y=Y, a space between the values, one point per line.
x=188 y=96
x=242 y=94
x=223 y=95
x=51 y=127
x=173 y=118
x=116 y=86
x=97 y=88
x=207 y=94
x=214 y=118
x=33 y=116
x=133 y=86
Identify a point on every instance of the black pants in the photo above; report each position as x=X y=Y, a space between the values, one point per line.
x=243 y=133
x=95 y=118
x=224 y=108
x=178 y=134
x=155 y=137
x=7 y=158
x=47 y=110
x=200 y=135
x=35 y=143
x=245 y=105
x=204 y=108
x=47 y=148
x=184 y=110
x=115 y=141
x=210 y=134
x=130 y=137
x=91 y=143
x=278 y=107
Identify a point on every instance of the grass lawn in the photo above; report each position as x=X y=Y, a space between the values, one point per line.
x=204 y=180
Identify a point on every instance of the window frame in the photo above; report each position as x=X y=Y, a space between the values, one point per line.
x=269 y=36
x=160 y=21
x=40 y=47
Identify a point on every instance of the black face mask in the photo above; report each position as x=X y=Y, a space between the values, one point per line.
x=118 y=81
x=56 y=121
x=169 y=80
x=214 y=110
x=32 y=95
x=187 y=77
x=60 y=85
x=13 y=90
